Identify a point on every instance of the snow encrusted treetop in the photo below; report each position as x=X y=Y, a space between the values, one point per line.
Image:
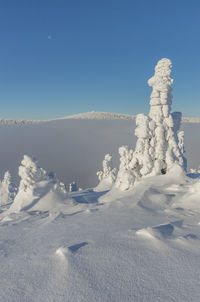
x=162 y=80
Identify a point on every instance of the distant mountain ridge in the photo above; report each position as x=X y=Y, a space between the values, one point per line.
x=92 y=115
x=4 y=121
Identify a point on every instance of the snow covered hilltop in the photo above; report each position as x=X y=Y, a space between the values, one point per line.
x=94 y=115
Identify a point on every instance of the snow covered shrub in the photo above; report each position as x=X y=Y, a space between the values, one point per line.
x=108 y=174
x=7 y=189
x=73 y=187
x=159 y=146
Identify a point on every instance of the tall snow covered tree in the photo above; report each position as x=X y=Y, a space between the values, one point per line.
x=158 y=146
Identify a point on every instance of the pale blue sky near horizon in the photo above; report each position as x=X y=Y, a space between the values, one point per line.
x=61 y=57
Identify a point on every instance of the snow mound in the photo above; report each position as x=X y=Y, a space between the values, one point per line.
x=162 y=231
x=62 y=253
x=191 y=198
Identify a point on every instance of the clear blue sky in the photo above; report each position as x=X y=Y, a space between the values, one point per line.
x=59 y=57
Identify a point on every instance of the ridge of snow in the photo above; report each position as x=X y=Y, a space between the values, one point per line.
x=4 y=121
x=92 y=115
x=190 y=119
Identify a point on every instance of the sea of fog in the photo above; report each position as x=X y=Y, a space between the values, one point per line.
x=74 y=149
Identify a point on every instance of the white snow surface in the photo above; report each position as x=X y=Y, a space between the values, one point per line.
x=139 y=245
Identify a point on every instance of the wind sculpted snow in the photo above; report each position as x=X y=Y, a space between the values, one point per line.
x=141 y=245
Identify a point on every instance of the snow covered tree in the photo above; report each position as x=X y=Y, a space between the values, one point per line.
x=159 y=146
x=30 y=174
x=108 y=174
x=125 y=177
x=7 y=180
x=7 y=189
x=35 y=183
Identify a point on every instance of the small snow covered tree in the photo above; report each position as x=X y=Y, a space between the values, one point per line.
x=73 y=187
x=7 y=180
x=159 y=146
x=125 y=177
x=30 y=174
x=7 y=189
x=35 y=183
x=108 y=174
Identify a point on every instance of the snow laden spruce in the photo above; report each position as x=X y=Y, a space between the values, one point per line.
x=159 y=145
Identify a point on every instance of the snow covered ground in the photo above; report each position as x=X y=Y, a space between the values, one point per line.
x=98 y=245
x=142 y=245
